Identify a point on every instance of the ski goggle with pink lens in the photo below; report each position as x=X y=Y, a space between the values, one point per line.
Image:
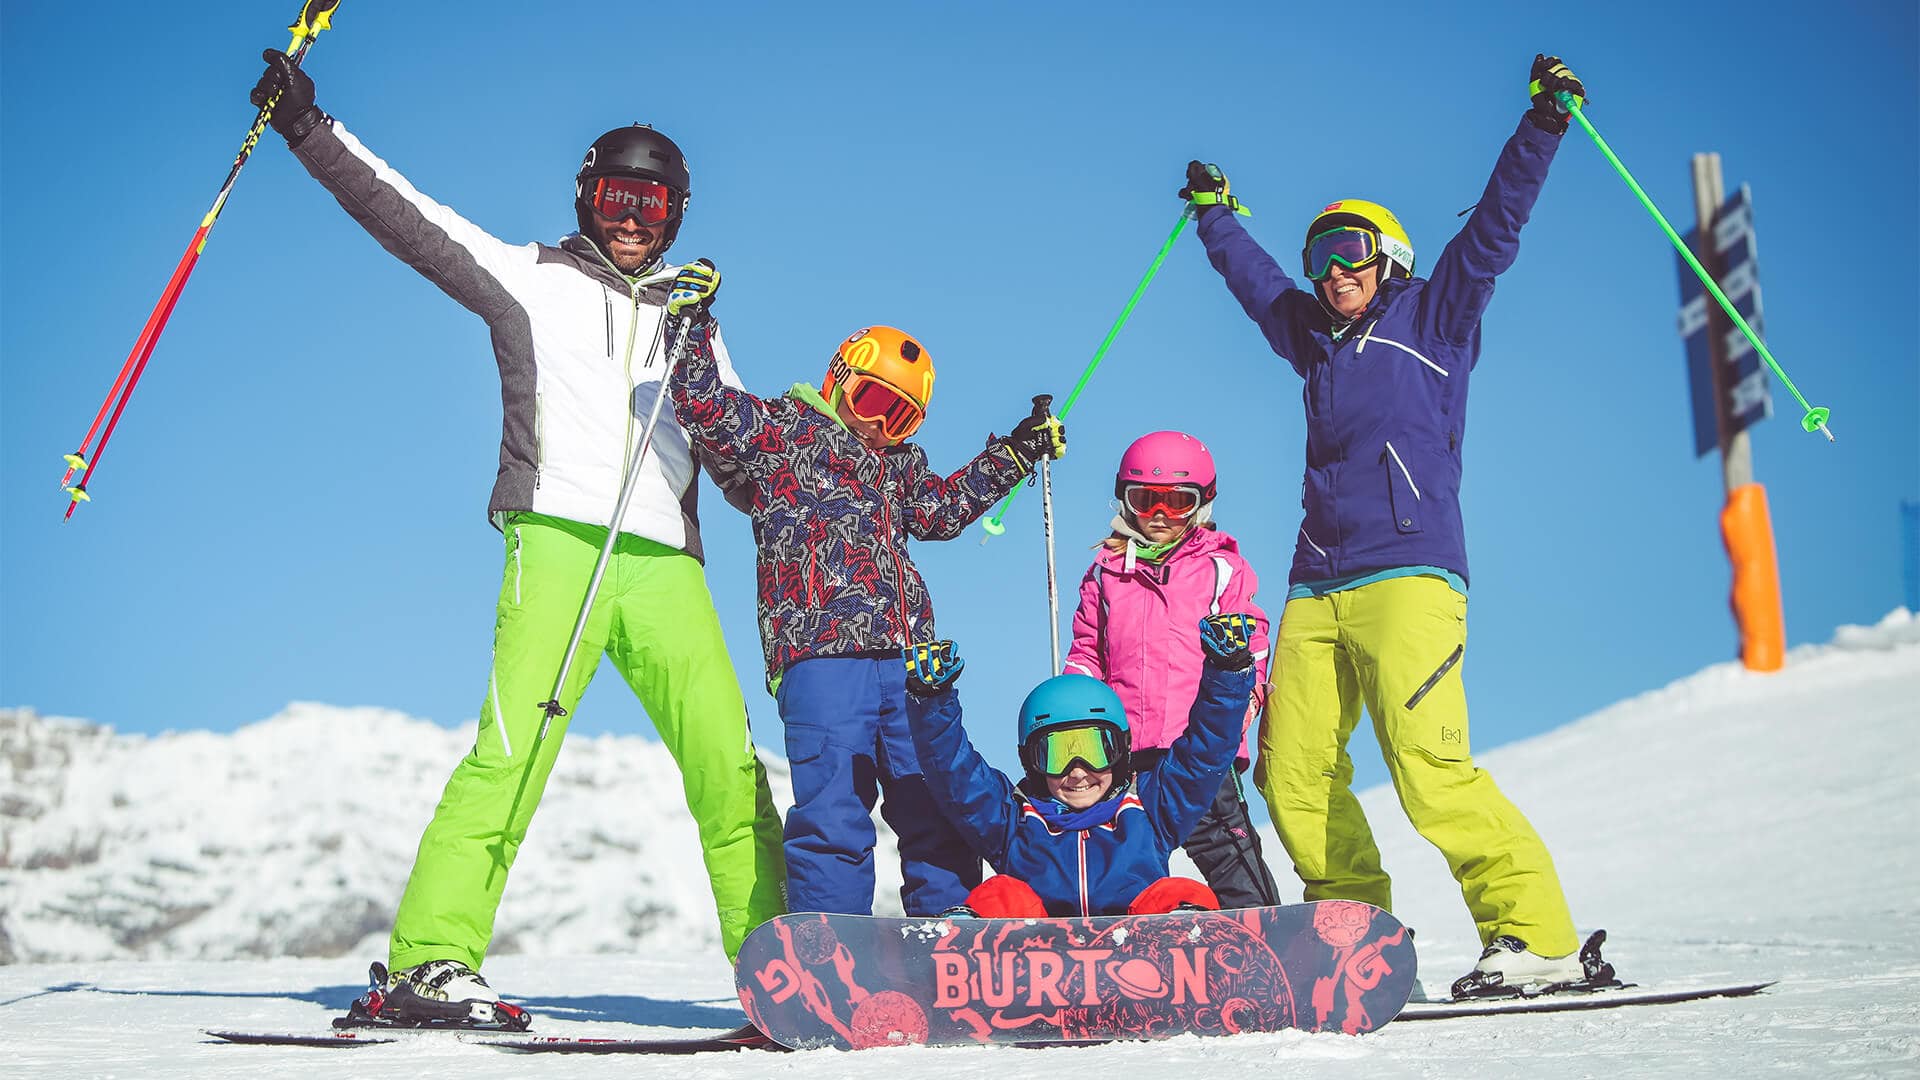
x=618 y=197
x=1351 y=247
x=1176 y=501
x=1055 y=751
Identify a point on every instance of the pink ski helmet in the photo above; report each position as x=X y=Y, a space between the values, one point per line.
x=1166 y=457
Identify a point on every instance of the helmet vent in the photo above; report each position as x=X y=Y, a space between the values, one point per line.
x=910 y=350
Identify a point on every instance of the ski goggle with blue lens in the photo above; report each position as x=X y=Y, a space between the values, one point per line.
x=1351 y=247
x=1055 y=751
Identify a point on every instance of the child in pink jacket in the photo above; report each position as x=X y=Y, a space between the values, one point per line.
x=1165 y=568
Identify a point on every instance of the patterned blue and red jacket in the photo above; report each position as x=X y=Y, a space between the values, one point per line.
x=1386 y=400
x=831 y=518
x=1093 y=861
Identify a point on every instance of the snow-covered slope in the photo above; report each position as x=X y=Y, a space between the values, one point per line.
x=1728 y=827
x=294 y=836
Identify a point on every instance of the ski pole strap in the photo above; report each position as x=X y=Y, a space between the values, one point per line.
x=995 y=525
x=1216 y=198
x=1816 y=416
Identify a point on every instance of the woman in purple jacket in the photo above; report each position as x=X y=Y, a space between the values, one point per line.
x=1165 y=567
x=1376 y=612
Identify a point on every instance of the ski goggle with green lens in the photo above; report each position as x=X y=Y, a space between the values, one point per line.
x=1353 y=248
x=1055 y=751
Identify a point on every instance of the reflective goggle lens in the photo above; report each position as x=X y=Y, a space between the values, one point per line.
x=1060 y=748
x=1350 y=247
x=617 y=197
x=1174 y=500
x=876 y=402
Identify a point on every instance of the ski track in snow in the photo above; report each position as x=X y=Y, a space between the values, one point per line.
x=1729 y=827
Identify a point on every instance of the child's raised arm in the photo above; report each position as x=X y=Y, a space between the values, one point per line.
x=725 y=422
x=977 y=798
x=1190 y=775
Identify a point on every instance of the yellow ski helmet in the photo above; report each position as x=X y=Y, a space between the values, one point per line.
x=1387 y=239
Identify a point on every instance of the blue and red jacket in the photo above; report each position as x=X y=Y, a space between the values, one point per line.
x=1387 y=399
x=1093 y=861
x=831 y=517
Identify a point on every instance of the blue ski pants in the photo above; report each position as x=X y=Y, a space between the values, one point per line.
x=847 y=740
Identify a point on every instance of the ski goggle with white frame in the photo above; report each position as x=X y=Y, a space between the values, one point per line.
x=1176 y=501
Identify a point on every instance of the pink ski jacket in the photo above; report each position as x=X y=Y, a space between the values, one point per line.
x=1135 y=630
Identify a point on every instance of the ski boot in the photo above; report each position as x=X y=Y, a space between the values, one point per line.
x=436 y=994
x=1508 y=969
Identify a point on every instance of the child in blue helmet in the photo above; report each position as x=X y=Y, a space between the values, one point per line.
x=1082 y=833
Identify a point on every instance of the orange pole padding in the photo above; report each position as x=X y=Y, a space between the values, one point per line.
x=1747 y=530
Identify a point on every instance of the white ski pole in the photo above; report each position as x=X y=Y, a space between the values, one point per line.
x=1041 y=405
x=551 y=708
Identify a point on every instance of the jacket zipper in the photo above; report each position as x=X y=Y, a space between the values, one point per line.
x=1403 y=470
x=1085 y=908
x=516 y=566
x=899 y=575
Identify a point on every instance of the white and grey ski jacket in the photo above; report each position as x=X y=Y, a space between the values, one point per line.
x=573 y=339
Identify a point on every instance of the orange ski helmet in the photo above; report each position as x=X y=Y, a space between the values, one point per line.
x=884 y=376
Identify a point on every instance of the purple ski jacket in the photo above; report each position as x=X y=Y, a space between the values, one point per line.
x=1387 y=401
x=1134 y=630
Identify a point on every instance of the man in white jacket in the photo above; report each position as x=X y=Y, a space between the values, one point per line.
x=579 y=331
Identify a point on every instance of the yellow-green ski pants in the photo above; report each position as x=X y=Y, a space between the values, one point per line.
x=654 y=619
x=1396 y=646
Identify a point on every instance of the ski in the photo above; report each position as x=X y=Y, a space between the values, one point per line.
x=743 y=1038
x=352 y=1037
x=1568 y=1001
x=348 y=1038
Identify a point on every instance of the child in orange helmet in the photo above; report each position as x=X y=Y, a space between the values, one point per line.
x=835 y=491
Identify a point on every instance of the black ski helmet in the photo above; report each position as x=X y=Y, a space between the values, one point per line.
x=635 y=150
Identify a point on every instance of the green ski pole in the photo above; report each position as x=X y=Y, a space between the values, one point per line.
x=1816 y=417
x=994 y=525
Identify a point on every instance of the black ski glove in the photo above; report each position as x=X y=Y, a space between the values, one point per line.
x=1228 y=641
x=1549 y=77
x=1208 y=186
x=294 y=115
x=932 y=667
x=1040 y=435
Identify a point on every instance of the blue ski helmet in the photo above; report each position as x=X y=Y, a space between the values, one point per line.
x=1071 y=701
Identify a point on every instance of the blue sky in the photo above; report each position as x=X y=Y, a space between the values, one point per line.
x=293 y=507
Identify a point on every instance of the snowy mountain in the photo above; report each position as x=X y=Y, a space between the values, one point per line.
x=294 y=836
x=1729 y=827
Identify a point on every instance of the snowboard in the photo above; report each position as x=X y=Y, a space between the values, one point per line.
x=1566 y=1001
x=855 y=981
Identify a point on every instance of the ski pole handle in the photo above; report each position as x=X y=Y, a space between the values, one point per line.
x=1816 y=416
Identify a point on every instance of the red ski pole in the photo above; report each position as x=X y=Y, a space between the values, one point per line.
x=315 y=16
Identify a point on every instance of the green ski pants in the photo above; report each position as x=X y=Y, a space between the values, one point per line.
x=654 y=618
x=1395 y=646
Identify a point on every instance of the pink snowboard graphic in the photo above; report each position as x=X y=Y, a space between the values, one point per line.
x=853 y=981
